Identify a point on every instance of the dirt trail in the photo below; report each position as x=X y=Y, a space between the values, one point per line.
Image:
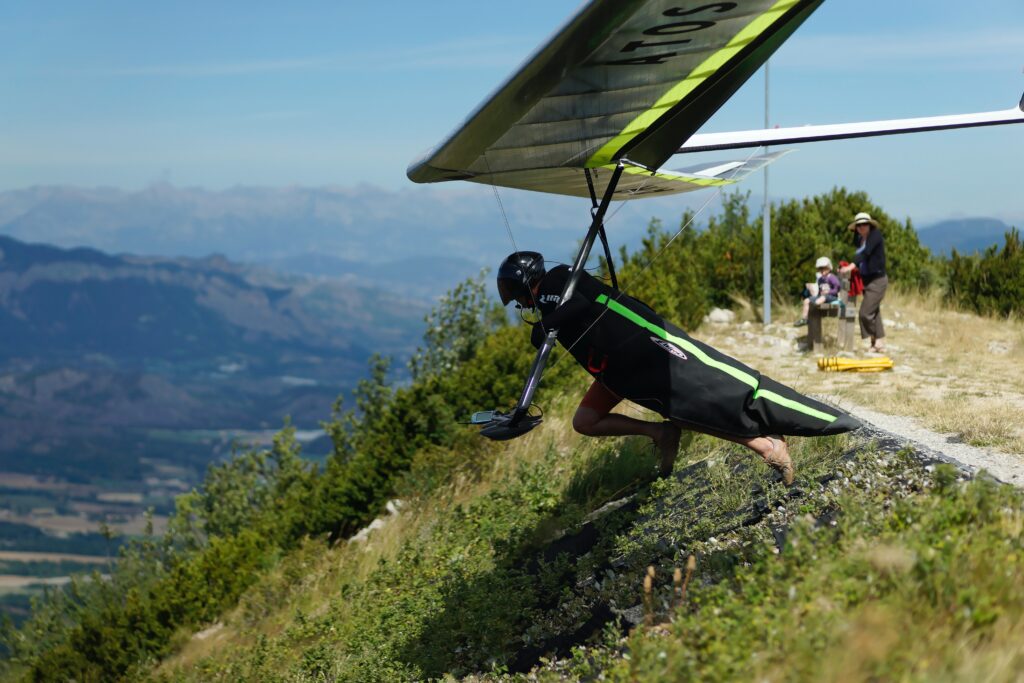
x=946 y=447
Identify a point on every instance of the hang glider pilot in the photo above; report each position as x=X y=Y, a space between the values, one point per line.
x=632 y=353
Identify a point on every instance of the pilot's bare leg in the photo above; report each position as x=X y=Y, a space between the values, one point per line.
x=594 y=418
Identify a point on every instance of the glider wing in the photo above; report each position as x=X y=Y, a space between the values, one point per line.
x=622 y=80
x=704 y=142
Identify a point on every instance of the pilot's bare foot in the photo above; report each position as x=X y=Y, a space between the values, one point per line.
x=668 y=447
x=778 y=459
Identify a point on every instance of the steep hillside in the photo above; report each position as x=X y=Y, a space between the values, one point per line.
x=528 y=563
x=127 y=341
x=122 y=377
x=552 y=557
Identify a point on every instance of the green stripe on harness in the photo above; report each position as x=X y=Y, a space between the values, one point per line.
x=704 y=358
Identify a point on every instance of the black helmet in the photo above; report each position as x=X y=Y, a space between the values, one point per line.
x=518 y=273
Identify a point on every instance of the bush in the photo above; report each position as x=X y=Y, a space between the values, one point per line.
x=682 y=276
x=992 y=283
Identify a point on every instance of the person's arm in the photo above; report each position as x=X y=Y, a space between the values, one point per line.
x=834 y=285
x=550 y=290
x=568 y=311
x=556 y=318
x=537 y=335
x=874 y=239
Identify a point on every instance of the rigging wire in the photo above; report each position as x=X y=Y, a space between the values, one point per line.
x=622 y=291
x=504 y=216
x=650 y=263
x=508 y=228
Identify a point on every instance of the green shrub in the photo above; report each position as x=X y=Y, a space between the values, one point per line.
x=991 y=283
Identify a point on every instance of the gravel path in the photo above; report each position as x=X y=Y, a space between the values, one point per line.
x=1007 y=468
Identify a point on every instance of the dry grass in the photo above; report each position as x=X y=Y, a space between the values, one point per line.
x=956 y=372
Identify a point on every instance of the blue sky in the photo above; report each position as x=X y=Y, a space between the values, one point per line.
x=341 y=93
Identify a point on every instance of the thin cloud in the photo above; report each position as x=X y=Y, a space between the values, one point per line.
x=282 y=115
x=477 y=53
x=218 y=68
x=958 y=50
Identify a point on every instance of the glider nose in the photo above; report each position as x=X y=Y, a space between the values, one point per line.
x=844 y=423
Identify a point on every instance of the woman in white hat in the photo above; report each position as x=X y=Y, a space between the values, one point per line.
x=828 y=288
x=870 y=262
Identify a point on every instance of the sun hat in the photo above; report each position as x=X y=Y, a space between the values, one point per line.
x=823 y=262
x=863 y=217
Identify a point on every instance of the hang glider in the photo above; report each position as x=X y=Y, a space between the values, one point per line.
x=622 y=87
x=633 y=81
x=623 y=79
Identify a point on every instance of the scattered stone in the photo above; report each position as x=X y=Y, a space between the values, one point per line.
x=207 y=632
x=606 y=508
x=998 y=348
x=364 y=533
x=633 y=615
x=720 y=316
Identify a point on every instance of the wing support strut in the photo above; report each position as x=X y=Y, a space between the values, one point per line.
x=596 y=225
x=604 y=236
x=706 y=142
x=502 y=427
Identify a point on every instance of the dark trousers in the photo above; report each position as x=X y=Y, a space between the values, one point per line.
x=870 y=312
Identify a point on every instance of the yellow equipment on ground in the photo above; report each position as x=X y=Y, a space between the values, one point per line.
x=838 y=364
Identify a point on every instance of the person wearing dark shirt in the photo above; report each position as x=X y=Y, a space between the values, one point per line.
x=869 y=261
x=633 y=353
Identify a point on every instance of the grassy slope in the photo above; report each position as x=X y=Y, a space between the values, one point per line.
x=888 y=569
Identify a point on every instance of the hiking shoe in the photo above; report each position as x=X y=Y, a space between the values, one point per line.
x=779 y=459
x=800 y=323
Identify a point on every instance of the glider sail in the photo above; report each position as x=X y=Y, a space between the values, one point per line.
x=624 y=80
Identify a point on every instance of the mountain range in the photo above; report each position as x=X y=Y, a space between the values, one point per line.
x=966 y=235
x=419 y=241
x=102 y=349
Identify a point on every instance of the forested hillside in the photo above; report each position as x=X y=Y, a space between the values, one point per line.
x=94 y=343
x=528 y=558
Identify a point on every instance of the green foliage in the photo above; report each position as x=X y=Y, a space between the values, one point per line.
x=456 y=327
x=257 y=488
x=898 y=594
x=806 y=229
x=668 y=275
x=682 y=278
x=991 y=283
x=886 y=572
x=103 y=629
x=480 y=583
x=730 y=251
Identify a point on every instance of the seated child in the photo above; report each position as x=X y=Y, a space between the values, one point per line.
x=828 y=288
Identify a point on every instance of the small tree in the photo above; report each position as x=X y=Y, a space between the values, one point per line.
x=456 y=327
x=668 y=275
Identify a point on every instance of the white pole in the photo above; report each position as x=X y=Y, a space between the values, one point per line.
x=766 y=229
